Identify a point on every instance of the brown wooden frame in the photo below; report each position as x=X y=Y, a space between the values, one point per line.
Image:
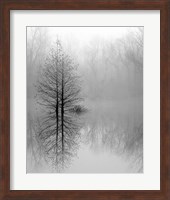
x=5 y=7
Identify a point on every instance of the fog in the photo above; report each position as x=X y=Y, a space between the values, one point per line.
x=104 y=120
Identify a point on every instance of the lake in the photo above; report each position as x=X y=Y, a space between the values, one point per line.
x=110 y=140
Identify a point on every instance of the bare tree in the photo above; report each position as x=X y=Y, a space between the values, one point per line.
x=59 y=94
x=133 y=48
x=36 y=49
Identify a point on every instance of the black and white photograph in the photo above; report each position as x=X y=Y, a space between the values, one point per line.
x=84 y=99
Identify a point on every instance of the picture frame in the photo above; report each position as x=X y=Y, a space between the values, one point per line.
x=5 y=8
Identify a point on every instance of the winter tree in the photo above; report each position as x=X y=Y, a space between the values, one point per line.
x=59 y=95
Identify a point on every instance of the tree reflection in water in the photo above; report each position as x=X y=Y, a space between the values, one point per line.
x=57 y=157
x=118 y=132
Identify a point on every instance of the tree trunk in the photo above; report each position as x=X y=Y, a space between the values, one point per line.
x=62 y=106
x=57 y=104
x=57 y=117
